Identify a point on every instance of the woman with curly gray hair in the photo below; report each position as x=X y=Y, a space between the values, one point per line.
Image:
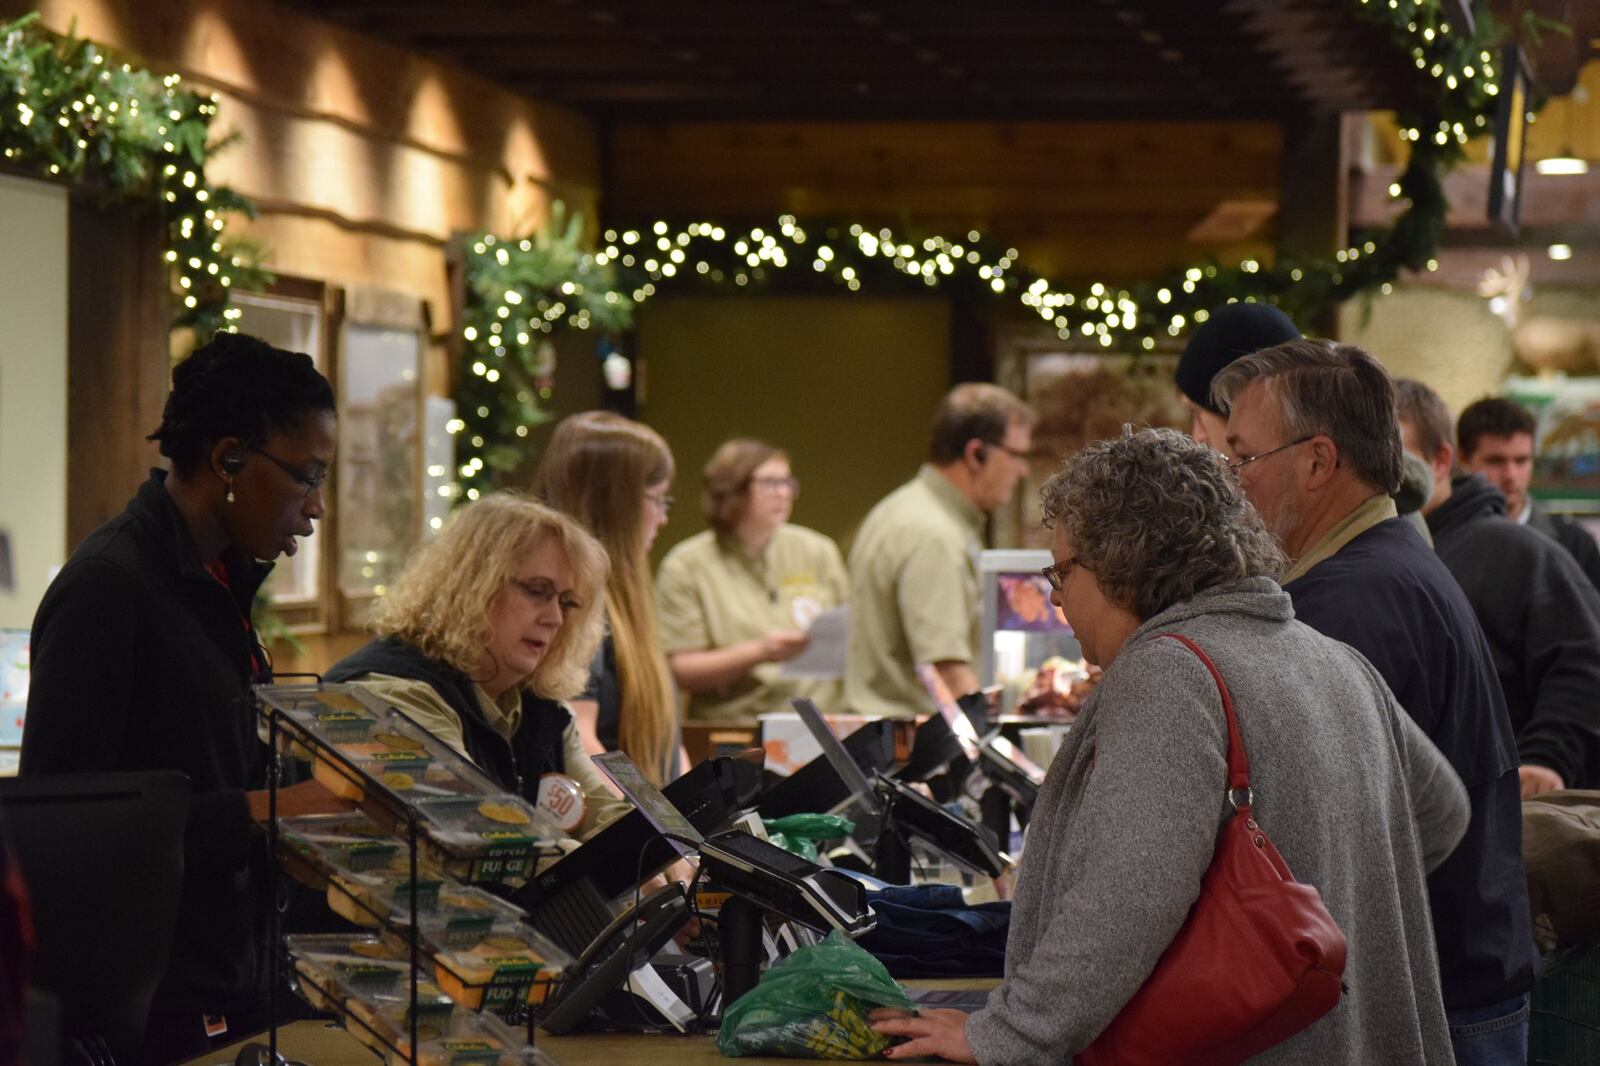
x=1153 y=536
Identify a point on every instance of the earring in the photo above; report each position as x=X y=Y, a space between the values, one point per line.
x=230 y=492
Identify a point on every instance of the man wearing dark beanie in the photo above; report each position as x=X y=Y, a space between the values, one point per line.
x=1234 y=331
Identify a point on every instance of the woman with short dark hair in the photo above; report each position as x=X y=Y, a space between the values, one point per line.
x=143 y=655
x=737 y=599
x=1153 y=537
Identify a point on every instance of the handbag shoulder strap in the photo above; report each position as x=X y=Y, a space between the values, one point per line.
x=1238 y=761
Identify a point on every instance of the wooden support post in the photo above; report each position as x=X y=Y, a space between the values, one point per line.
x=1314 y=201
x=118 y=357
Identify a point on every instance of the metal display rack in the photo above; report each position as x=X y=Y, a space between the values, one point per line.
x=405 y=824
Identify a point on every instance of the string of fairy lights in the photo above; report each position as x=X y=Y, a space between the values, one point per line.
x=68 y=112
x=521 y=292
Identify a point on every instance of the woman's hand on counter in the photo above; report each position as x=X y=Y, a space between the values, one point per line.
x=308 y=797
x=937 y=1031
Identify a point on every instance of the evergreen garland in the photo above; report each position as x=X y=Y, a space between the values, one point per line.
x=70 y=112
x=520 y=292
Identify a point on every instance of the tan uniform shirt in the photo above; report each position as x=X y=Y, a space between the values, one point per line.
x=710 y=594
x=429 y=710
x=913 y=593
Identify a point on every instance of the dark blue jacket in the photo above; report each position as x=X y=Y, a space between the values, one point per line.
x=1389 y=597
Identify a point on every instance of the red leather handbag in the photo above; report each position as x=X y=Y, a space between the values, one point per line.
x=1258 y=959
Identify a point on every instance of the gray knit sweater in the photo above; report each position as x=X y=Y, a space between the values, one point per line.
x=1356 y=799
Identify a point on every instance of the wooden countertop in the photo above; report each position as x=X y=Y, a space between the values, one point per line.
x=325 y=1044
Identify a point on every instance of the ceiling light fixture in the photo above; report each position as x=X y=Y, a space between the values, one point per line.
x=1561 y=165
x=1566 y=161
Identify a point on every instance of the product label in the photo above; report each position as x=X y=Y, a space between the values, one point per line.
x=365 y=855
x=466 y=930
x=366 y=974
x=427 y=897
x=511 y=979
x=470 y=1052
x=502 y=864
x=401 y=760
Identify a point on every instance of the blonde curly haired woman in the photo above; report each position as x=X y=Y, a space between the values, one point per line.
x=490 y=627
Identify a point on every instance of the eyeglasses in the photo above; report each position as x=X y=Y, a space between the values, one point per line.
x=312 y=482
x=777 y=484
x=1247 y=460
x=663 y=501
x=1056 y=573
x=542 y=591
x=1013 y=452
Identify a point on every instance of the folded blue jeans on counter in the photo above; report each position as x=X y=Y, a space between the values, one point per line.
x=931 y=931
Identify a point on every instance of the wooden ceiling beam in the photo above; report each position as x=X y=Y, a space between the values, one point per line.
x=797 y=59
x=868 y=101
x=1231 y=159
x=791 y=73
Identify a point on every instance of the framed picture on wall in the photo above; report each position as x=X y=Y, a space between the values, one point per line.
x=1566 y=461
x=380 y=467
x=1081 y=394
x=299 y=315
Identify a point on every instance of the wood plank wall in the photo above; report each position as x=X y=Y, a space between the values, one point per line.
x=117 y=362
x=1079 y=199
x=364 y=159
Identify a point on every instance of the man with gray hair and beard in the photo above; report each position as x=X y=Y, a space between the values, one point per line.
x=1314 y=437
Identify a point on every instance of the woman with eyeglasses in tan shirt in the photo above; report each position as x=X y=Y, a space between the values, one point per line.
x=736 y=600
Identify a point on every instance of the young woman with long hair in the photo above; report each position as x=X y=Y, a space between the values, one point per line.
x=613 y=475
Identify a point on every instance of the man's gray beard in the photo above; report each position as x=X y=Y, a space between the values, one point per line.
x=1284 y=522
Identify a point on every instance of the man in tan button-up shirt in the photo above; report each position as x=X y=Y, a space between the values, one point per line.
x=913 y=566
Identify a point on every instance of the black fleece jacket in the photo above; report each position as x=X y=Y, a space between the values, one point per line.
x=1568 y=533
x=142 y=661
x=1542 y=619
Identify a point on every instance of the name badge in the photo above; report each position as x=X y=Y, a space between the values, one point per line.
x=562 y=798
x=804 y=611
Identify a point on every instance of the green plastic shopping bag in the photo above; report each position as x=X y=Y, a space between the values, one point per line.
x=814 y=1005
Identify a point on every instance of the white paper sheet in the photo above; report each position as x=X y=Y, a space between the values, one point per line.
x=824 y=656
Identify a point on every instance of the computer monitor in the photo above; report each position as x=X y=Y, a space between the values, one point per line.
x=746 y=865
x=1005 y=764
x=964 y=842
x=955 y=714
x=13 y=694
x=102 y=858
x=859 y=784
x=1020 y=627
x=816 y=788
x=657 y=809
x=709 y=796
